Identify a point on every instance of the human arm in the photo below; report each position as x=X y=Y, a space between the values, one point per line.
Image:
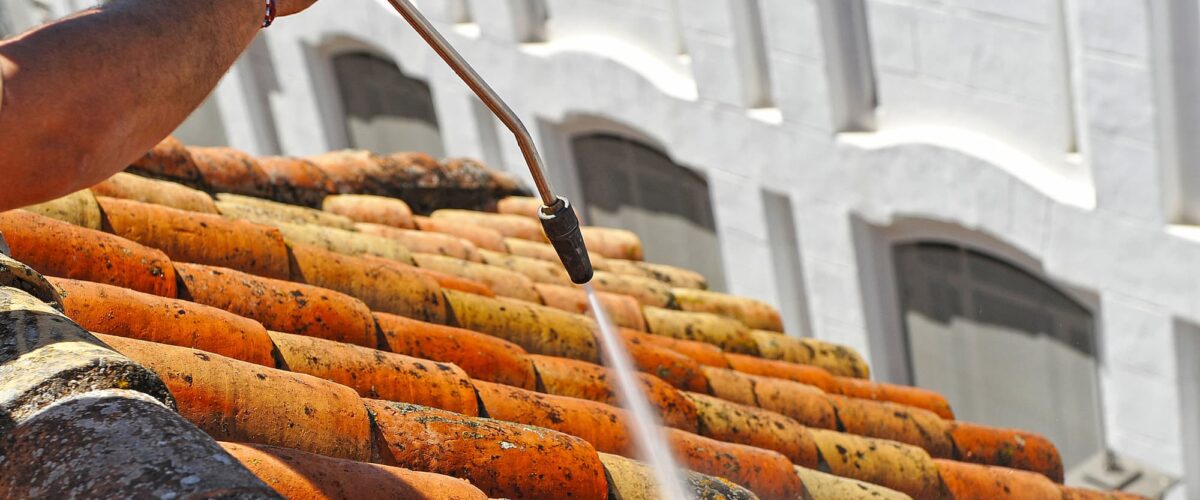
x=84 y=96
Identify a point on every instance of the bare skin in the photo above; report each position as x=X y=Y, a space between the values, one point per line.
x=82 y=97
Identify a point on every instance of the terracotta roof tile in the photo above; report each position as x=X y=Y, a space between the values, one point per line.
x=726 y=333
x=268 y=212
x=371 y=209
x=60 y=249
x=503 y=459
x=647 y=291
x=137 y=188
x=199 y=238
x=1007 y=447
x=237 y=401
x=296 y=180
x=537 y=329
x=425 y=241
x=700 y=352
x=385 y=287
x=169 y=160
x=78 y=208
x=501 y=281
x=745 y=424
x=228 y=170
x=483 y=357
x=510 y=226
x=118 y=311
x=377 y=374
x=767 y=473
x=630 y=479
x=981 y=482
x=752 y=313
x=622 y=309
x=901 y=467
x=482 y=237
x=580 y=379
x=279 y=305
x=528 y=356
x=613 y=243
x=297 y=474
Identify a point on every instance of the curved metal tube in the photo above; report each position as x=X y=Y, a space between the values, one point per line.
x=485 y=93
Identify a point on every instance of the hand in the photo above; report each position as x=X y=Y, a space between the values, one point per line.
x=289 y=7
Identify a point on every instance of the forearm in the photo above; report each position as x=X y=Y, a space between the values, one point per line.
x=86 y=95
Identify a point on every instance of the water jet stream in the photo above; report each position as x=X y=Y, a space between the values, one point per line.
x=652 y=444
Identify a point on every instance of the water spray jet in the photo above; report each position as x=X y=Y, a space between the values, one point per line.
x=561 y=226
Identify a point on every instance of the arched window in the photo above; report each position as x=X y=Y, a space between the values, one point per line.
x=631 y=185
x=386 y=111
x=1004 y=346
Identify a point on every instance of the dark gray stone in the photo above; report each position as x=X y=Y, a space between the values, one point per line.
x=45 y=357
x=118 y=444
x=18 y=275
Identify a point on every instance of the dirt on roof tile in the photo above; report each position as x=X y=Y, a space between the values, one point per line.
x=297 y=181
x=1006 y=447
x=137 y=188
x=728 y=334
x=752 y=313
x=199 y=238
x=700 y=352
x=386 y=287
x=901 y=467
x=647 y=291
x=378 y=374
x=126 y=313
x=483 y=357
x=425 y=241
x=510 y=226
x=238 y=401
x=979 y=482
x=227 y=170
x=634 y=480
x=365 y=208
x=297 y=474
x=767 y=473
x=279 y=305
x=502 y=281
x=503 y=459
x=623 y=310
x=899 y=423
x=65 y=250
x=537 y=329
x=580 y=379
x=749 y=425
x=606 y=427
x=482 y=237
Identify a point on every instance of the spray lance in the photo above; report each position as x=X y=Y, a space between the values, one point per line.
x=557 y=215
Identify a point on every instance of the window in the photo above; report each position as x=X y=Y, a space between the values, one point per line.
x=631 y=185
x=785 y=260
x=1003 y=345
x=385 y=110
x=849 y=61
x=204 y=127
x=1187 y=345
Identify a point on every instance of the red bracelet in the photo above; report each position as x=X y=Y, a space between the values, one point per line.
x=270 y=15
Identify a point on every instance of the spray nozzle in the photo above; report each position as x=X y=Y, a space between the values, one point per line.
x=562 y=227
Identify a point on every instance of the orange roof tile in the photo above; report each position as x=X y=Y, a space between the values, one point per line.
x=263 y=338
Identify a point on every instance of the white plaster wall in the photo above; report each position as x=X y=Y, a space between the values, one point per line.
x=978 y=104
x=998 y=68
x=982 y=104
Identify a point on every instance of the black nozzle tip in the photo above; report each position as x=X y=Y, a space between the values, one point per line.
x=562 y=228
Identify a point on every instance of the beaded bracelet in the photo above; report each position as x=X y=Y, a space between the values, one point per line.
x=270 y=15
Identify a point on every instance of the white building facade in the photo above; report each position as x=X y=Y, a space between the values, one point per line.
x=995 y=199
